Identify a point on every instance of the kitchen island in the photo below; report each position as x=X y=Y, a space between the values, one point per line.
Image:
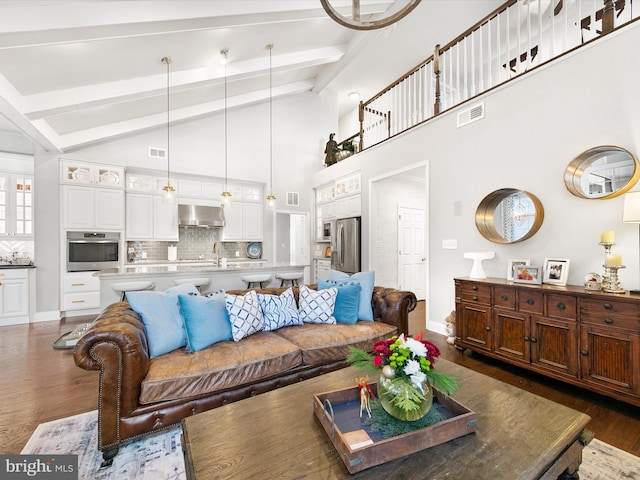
x=165 y=275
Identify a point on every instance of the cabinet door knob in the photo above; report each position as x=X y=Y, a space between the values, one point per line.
x=526 y=339
x=561 y=306
x=475 y=298
x=608 y=306
x=531 y=301
x=584 y=352
x=488 y=329
x=475 y=287
x=608 y=320
x=504 y=298
x=534 y=340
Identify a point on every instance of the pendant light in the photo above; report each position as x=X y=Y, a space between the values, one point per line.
x=271 y=199
x=168 y=192
x=226 y=195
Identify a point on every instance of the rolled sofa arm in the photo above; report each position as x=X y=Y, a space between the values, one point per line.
x=393 y=306
x=116 y=345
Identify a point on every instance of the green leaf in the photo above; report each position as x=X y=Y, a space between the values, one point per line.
x=444 y=383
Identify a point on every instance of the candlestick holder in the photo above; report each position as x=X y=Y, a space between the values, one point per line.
x=610 y=282
x=607 y=251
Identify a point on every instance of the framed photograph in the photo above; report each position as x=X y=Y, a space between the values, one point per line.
x=527 y=274
x=512 y=262
x=556 y=271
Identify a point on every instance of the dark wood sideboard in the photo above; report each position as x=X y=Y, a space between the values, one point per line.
x=586 y=338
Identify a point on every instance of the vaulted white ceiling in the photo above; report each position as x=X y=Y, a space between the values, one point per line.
x=74 y=73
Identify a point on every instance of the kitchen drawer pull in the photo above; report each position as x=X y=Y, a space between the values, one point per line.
x=0 y=284
x=77 y=301
x=475 y=287
x=531 y=301
x=504 y=298
x=561 y=306
x=475 y=299
x=608 y=321
x=608 y=306
x=77 y=284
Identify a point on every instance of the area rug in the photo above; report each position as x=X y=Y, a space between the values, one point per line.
x=159 y=456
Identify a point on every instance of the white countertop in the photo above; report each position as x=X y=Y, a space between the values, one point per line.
x=198 y=267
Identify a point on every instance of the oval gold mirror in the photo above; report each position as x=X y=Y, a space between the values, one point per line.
x=602 y=172
x=509 y=215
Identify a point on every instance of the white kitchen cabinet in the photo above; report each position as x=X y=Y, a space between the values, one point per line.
x=349 y=207
x=349 y=185
x=329 y=211
x=148 y=218
x=80 y=291
x=252 y=194
x=92 y=174
x=190 y=188
x=90 y=208
x=243 y=222
x=16 y=206
x=14 y=296
x=321 y=269
x=325 y=193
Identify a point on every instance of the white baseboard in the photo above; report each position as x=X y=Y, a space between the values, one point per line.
x=46 y=316
x=437 y=327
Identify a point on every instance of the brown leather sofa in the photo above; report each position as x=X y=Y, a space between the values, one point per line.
x=138 y=395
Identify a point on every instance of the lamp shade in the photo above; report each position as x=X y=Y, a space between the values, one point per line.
x=631 y=209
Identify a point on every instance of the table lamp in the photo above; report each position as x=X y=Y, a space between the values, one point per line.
x=631 y=214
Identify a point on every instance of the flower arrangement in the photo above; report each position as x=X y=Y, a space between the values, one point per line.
x=408 y=364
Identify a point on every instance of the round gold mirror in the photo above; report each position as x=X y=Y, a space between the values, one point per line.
x=602 y=172
x=509 y=215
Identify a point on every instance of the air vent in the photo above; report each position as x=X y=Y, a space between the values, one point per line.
x=156 y=152
x=293 y=199
x=471 y=114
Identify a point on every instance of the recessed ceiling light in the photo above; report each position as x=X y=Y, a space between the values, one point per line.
x=355 y=96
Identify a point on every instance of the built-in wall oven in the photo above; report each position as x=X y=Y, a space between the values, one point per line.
x=88 y=251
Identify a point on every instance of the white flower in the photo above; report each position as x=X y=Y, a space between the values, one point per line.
x=416 y=347
x=412 y=367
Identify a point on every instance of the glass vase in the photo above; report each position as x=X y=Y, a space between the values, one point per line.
x=386 y=394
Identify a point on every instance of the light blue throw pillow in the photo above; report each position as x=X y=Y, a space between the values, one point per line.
x=206 y=321
x=347 y=301
x=183 y=289
x=366 y=281
x=245 y=314
x=317 y=306
x=162 y=320
x=279 y=310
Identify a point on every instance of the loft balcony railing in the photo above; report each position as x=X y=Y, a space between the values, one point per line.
x=514 y=39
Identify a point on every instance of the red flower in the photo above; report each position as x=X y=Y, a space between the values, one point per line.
x=377 y=361
x=432 y=351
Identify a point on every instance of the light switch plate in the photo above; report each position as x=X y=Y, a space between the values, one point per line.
x=450 y=244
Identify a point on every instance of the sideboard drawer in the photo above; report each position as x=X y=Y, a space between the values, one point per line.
x=610 y=307
x=561 y=306
x=604 y=319
x=530 y=302
x=504 y=297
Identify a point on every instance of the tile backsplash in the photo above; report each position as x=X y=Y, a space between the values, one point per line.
x=21 y=249
x=192 y=244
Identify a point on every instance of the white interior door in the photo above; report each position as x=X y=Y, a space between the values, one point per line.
x=299 y=246
x=411 y=254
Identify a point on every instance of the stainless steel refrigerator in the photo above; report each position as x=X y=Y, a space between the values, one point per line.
x=345 y=245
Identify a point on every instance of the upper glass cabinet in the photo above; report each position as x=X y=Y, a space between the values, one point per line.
x=602 y=172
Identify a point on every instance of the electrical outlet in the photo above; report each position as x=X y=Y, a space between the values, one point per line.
x=450 y=244
x=237 y=253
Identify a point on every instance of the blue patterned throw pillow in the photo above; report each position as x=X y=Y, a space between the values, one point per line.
x=245 y=314
x=279 y=310
x=317 y=306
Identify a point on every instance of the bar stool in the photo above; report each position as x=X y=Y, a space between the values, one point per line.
x=256 y=280
x=198 y=282
x=123 y=287
x=289 y=278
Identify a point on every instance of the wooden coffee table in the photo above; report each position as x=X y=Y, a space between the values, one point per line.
x=275 y=435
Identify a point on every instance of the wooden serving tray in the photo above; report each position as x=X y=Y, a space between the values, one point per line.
x=357 y=455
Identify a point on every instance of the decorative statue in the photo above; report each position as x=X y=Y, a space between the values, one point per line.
x=330 y=151
x=450 y=327
x=365 y=394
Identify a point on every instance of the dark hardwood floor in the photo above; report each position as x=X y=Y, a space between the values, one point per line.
x=39 y=384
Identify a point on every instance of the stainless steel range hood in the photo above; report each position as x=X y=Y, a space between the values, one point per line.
x=200 y=216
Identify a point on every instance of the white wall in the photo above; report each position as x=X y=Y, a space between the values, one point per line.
x=532 y=129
